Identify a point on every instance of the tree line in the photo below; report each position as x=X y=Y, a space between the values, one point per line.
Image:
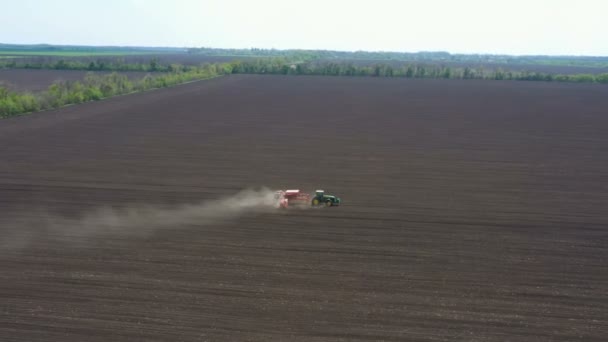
x=414 y=57
x=279 y=66
x=116 y=64
x=96 y=87
x=304 y=64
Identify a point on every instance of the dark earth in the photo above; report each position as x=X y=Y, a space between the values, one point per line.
x=472 y=211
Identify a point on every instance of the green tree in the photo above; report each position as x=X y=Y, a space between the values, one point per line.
x=601 y=78
x=153 y=64
x=582 y=78
x=409 y=73
x=447 y=72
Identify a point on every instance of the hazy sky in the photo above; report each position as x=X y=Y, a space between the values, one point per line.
x=469 y=26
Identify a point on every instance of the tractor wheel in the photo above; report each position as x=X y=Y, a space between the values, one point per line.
x=328 y=204
x=315 y=202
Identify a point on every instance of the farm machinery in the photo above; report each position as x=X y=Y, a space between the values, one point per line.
x=286 y=198
x=321 y=198
x=291 y=197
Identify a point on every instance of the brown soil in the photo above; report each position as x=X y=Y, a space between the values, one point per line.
x=473 y=211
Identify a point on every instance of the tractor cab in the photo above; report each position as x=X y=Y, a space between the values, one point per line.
x=321 y=198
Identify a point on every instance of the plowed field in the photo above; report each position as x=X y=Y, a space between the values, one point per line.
x=472 y=211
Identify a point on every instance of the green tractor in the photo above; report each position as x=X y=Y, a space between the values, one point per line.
x=321 y=198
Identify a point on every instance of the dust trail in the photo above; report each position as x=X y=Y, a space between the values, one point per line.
x=149 y=218
x=139 y=220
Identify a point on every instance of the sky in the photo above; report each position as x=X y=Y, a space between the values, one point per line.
x=518 y=27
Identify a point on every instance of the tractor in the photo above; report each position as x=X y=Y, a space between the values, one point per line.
x=321 y=198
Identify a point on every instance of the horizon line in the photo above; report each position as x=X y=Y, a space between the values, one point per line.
x=299 y=49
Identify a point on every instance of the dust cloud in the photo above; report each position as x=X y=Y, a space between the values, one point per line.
x=134 y=220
